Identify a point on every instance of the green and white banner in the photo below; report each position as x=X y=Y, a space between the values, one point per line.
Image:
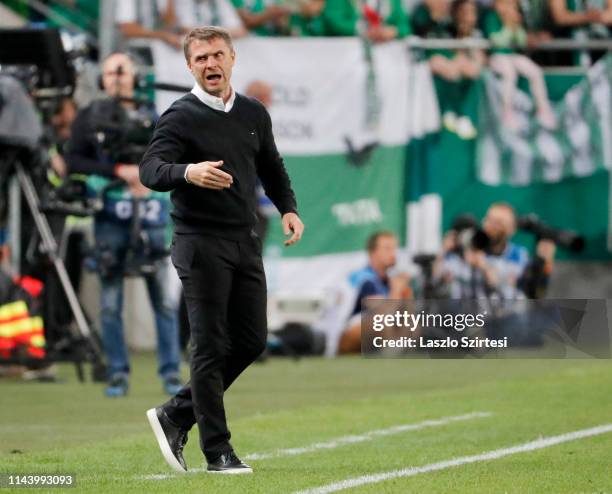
x=342 y=115
x=580 y=146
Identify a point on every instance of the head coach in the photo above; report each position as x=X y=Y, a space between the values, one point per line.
x=209 y=148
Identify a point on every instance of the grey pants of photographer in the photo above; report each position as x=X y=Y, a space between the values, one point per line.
x=225 y=293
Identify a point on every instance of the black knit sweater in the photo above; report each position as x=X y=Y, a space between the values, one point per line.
x=191 y=132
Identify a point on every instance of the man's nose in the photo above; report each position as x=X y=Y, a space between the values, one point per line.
x=211 y=63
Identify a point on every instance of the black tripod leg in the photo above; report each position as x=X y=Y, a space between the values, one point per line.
x=50 y=249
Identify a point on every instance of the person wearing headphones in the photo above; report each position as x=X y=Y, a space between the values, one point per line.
x=96 y=148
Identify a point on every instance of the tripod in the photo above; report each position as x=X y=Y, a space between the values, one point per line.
x=83 y=344
x=50 y=75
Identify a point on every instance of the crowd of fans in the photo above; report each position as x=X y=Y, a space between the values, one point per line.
x=508 y=24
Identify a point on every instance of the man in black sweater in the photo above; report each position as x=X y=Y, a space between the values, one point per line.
x=209 y=148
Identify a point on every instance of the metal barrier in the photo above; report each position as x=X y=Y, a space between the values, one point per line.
x=558 y=44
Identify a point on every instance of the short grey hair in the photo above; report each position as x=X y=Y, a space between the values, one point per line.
x=206 y=33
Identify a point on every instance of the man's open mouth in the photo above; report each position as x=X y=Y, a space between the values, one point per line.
x=213 y=77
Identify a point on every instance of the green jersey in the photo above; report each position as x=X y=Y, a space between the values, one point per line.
x=341 y=17
x=257 y=7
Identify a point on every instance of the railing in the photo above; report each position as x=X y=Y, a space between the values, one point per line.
x=559 y=44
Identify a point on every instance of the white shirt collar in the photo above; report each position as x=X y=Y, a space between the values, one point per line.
x=213 y=101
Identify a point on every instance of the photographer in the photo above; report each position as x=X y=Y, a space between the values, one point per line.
x=486 y=264
x=104 y=146
x=376 y=280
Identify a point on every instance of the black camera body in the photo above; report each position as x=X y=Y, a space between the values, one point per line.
x=565 y=239
x=122 y=134
x=470 y=236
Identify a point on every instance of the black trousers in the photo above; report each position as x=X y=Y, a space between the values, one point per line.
x=225 y=293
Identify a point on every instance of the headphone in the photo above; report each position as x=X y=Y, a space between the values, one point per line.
x=138 y=79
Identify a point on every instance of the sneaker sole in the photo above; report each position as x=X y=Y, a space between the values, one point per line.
x=232 y=471
x=164 y=446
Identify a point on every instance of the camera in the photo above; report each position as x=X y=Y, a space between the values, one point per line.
x=565 y=239
x=469 y=234
x=122 y=134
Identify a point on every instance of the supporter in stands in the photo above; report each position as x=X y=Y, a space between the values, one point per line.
x=456 y=68
x=435 y=19
x=264 y=18
x=583 y=20
x=378 y=21
x=432 y=19
x=147 y=19
x=538 y=23
x=341 y=322
x=502 y=270
x=537 y=20
x=592 y=17
x=307 y=19
x=282 y=18
x=191 y=13
x=465 y=25
x=504 y=28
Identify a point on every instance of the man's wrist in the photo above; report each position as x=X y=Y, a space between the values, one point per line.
x=289 y=211
x=186 y=172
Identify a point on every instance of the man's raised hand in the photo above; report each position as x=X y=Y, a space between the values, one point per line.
x=206 y=174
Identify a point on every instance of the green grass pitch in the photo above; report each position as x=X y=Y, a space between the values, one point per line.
x=71 y=427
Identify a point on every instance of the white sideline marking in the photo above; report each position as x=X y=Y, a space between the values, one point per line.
x=340 y=441
x=463 y=460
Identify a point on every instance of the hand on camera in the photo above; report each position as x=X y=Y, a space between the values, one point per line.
x=127 y=172
x=138 y=190
x=449 y=242
x=398 y=286
x=546 y=250
x=476 y=258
